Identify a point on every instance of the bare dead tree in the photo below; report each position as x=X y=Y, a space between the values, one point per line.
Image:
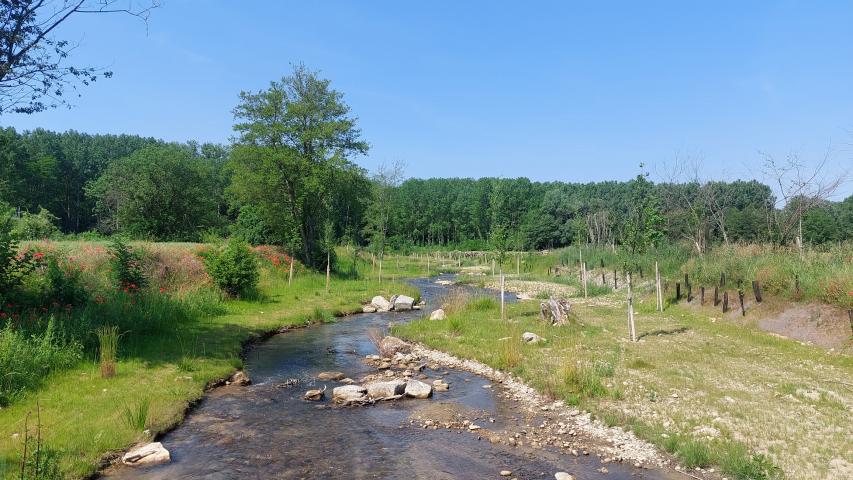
x=34 y=73
x=687 y=194
x=801 y=188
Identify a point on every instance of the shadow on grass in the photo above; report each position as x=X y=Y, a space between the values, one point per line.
x=671 y=331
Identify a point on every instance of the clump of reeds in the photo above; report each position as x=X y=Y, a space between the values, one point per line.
x=108 y=348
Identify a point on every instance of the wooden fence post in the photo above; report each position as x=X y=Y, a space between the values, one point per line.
x=756 y=290
x=725 y=301
x=328 y=270
x=615 y=283
x=658 y=289
x=701 y=295
x=716 y=295
x=740 y=297
x=583 y=269
x=722 y=280
x=677 y=291
x=503 y=315
x=631 y=328
x=290 y=275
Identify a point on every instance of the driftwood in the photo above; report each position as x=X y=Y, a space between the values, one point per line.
x=556 y=312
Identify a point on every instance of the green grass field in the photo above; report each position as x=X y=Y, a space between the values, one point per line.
x=714 y=393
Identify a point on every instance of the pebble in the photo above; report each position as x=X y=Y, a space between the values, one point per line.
x=505 y=473
x=563 y=476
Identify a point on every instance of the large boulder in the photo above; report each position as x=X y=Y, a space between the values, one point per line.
x=150 y=454
x=438 y=314
x=418 y=389
x=403 y=303
x=387 y=389
x=381 y=304
x=390 y=346
x=349 y=393
x=330 y=376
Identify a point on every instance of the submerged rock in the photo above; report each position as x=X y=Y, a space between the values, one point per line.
x=418 y=389
x=438 y=314
x=150 y=454
x=349 y=393
x=381 y=303
x=315 y=395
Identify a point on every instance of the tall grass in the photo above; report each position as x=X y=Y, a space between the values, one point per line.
x=26 y=359
x=136 y=417
x=107 y=348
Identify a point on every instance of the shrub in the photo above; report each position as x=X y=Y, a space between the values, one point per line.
x=233 y=267
x=126 y=266
x=35 y=227
x=14 y=265
x=65 y=285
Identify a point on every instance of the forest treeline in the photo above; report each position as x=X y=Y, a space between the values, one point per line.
x=289 y=178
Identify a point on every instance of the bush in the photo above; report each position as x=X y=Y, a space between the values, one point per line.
x=35 y=227
x=233 y=267
x=65 y=285
x=126 y=266
x=14 y=265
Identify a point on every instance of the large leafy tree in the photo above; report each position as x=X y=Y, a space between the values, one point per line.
x=163 y=192
x=645 y=224
x=34 y=68
x=293 y=148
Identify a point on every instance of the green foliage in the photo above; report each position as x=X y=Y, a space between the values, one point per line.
x=645 y=223
x=26 y=360
x=65 y=283
x=35 y=226
x=252 y=228
x=233 y=267
x=126 y=266
x=136 y=417
x=292 y=159
x=14 y=265
x=162 y=192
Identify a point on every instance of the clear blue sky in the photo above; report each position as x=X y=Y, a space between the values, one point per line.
x=573 y=91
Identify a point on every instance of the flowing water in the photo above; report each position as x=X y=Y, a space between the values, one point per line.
x=267 y=430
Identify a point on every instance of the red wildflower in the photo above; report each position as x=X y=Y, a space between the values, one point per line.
x=2 y=314
x=38 y=256
x=162 y=289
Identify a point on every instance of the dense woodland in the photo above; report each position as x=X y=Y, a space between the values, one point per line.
x=289 y=178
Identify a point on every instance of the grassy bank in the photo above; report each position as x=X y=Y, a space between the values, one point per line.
x=163 y=365
x=711 y=392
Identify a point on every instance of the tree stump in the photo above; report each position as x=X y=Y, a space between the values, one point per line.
x=556 y=312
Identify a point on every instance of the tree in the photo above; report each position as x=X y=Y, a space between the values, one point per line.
x=33 y=71
x=293 y=141
x=644 y=227
x=161 y=192
x=802 y=188
x=378 y=216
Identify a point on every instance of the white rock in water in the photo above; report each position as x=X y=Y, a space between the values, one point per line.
x=327 y=376
x=368 y=309
x=385 y=389
x=150 y=454
x=418 y=389
x=530 y=337
x=240 y=378
x=438 y=314
x=349 y=393
x=403 y=303
x=381 y=304
x=563 y=476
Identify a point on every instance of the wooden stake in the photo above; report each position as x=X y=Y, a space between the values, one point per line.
x=290 y=276
x=756 y=290
x=701 y=295
x=631 y=328
x=518 y=265
x=725 y=302
x=716 y=295
x=583 y=267
x=328 y=270
x=503 y=315
x=658 y=288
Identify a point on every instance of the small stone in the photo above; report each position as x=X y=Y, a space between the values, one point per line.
x=505 y=473
x=563 y=476
x=150 y=454
x=438 y=315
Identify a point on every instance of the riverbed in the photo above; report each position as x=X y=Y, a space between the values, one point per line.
x=267 y=430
